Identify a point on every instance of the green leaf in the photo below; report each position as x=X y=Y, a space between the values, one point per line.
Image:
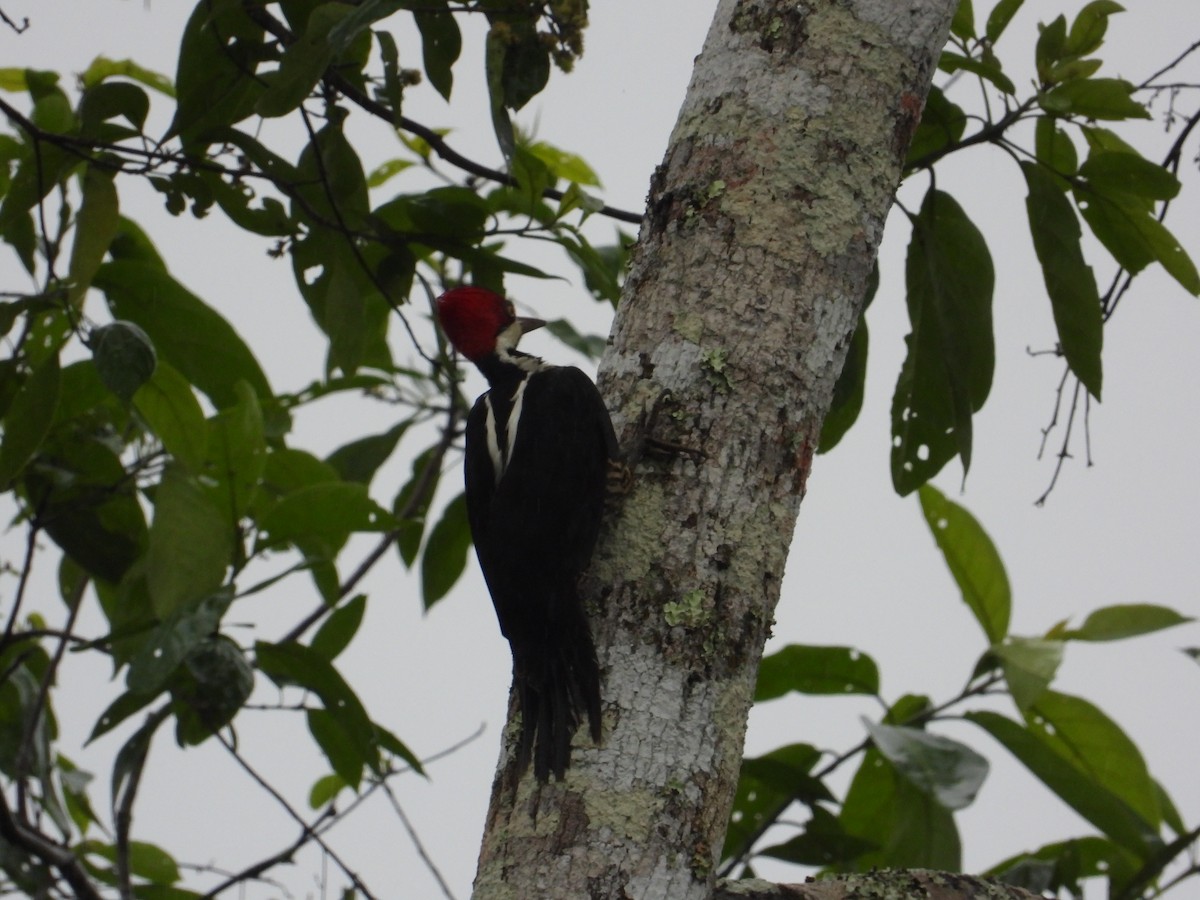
x=1095 y=98
x=216 y=79
x=767 y=785
x=999 y=18
x=441 y=44
x=1089 y=27
x=95 y=227
x=124 y=357
x=942 y=125
x=816 y=670
x=359 y=460
x=1113 y=173
x=89 y=506
x=1049 y=48
x=103 y=68
x=1135 y=238
x=325 y=513
x=445 y=554
x=102 y=103
x=191 y=544
x=236 y=455
x=425 y=476
x=145 y=861
x=1055 y=150
x=963 y=23
x=955 y=62
x=29 y=418
x=185 y=331
x=822 y=843
x=950 y=772
x=339 y=628
x=973 y=561
x=325 y=789
x=1069 y=280
x=1064 y=865
x=947 y=373
x=332 y=189
x=562 y=164
x=169 y=407
x=848 y=391
x=909 y=827
x=169 y=643
x=1098 y=747
x=1091 y=799
x=346 y=734
x=590 y=345
x=1114 y=623
x=1029 y=667
x=118 y=711
x=303 y=63
x=496 y=48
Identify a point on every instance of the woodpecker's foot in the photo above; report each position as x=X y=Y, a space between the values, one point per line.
x=618 y=479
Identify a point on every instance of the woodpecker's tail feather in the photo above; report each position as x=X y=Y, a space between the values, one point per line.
x=557 y=682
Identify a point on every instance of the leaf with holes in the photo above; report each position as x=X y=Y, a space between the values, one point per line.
x=947 y=373
x=816 y=670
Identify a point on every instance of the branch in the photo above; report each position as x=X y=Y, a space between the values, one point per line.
x=917 y=884
x=435 y=141
x=48 y=851
x=308 y=831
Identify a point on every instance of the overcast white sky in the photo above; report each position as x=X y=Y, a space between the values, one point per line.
x=863 y=569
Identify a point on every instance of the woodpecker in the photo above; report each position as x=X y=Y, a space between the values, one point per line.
x=539 y=444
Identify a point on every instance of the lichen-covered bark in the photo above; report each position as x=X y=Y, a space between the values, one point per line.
x=761 y=230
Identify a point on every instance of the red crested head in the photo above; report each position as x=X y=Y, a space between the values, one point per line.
x=473 y=318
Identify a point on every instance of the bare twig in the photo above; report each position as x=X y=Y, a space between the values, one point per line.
x=308 y=830
x=416 y=841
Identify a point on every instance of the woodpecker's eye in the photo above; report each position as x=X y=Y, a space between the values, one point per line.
x=510 y=309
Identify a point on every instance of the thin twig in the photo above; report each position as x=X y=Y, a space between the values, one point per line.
x=295 y=816
x=416 y=841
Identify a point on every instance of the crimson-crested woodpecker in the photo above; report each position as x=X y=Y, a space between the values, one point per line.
x=538 y=448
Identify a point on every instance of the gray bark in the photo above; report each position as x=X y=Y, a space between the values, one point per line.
x=761 y=230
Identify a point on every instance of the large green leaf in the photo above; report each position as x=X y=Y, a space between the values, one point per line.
x=973 y=561
x=816 y=670
x=303 y=63
x=236 y=455
x=1091 y=799
x=344 y=731
x=186 y=332
x=29 y=418
x=191 y=544
x=950 y=772
x=169 y=407
x=441 y=44
x=1114 y=623
x=215 y=80
x=445 y=554
x=88 y=505
x=1095 y=98
x=326 y=513
x=947 y=373
x=767 y=785
x=360 y=460
x=339 y=627
x=1029 y=666
x=909 y=828
x=95 y=227
x=1097 y=747
x=1069 y=280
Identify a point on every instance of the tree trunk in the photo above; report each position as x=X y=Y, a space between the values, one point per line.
x=748 y=280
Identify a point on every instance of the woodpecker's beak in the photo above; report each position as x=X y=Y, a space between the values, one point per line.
x=528 y=325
